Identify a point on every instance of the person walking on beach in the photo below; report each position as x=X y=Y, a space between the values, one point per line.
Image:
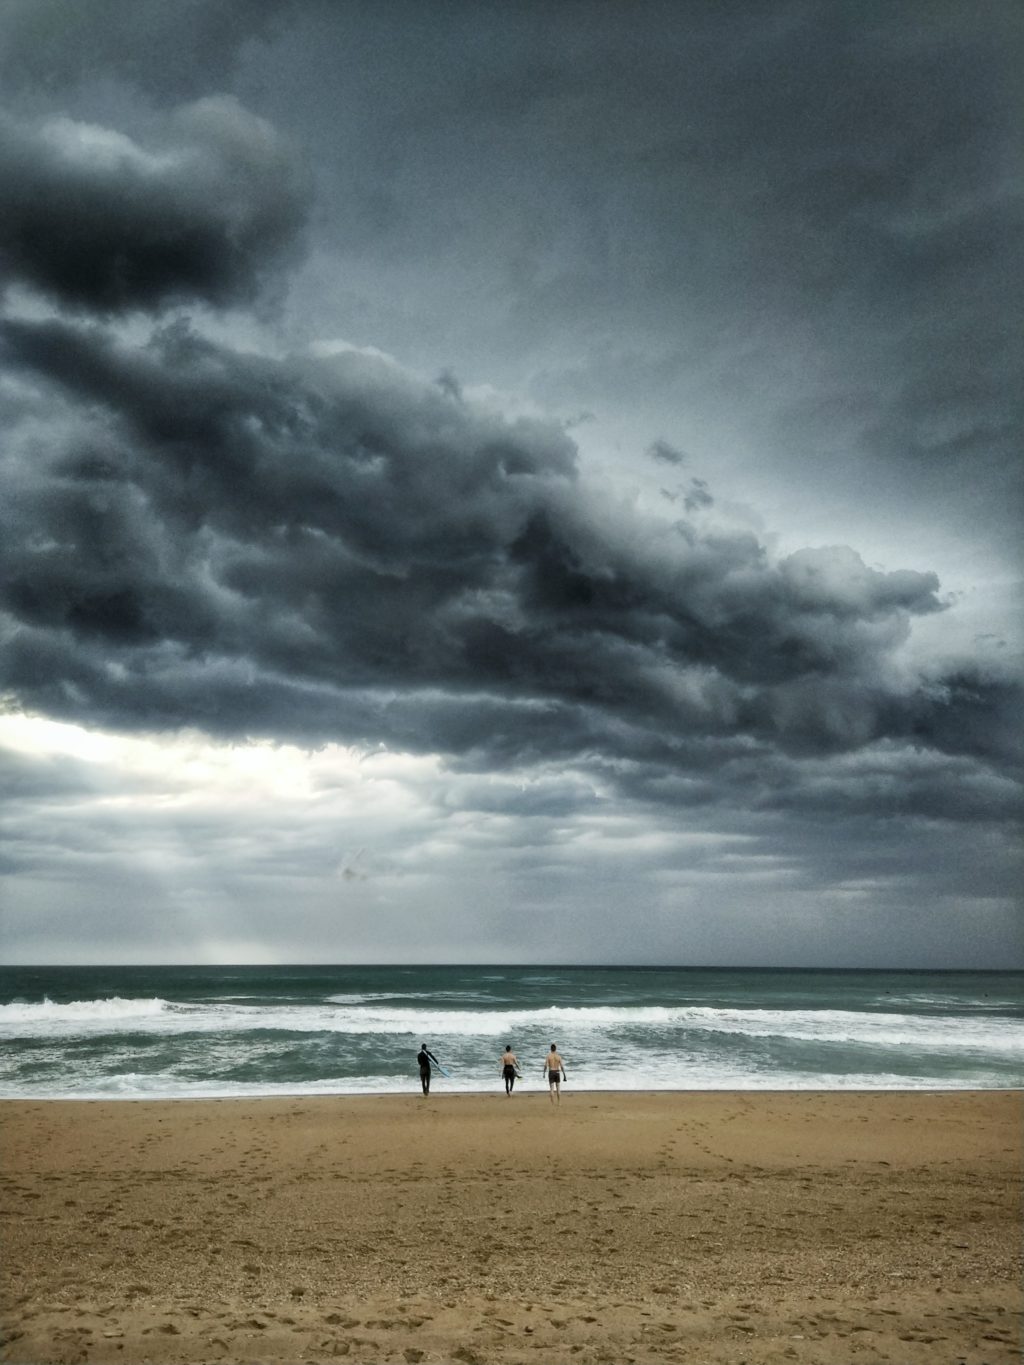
x=509 y=1068
x=424 y=1057
x=555 y=1073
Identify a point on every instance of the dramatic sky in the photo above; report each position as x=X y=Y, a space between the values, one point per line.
x=511 y=481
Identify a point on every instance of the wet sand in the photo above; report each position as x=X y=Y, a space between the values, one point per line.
x=753 y=1227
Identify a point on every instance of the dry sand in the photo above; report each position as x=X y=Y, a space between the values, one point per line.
x=652 y=1227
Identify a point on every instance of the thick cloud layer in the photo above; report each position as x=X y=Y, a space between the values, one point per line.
x=325 y=547
x=687 y=652
x=784 y=237
x=96 y=222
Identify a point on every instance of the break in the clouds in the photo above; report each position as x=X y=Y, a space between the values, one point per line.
x=97 y=222
x=376 y=623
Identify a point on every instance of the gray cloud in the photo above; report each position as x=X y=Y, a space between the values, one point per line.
x=96 y=222
x=697 y=496
x=325 y=547
x=662 y=450
x=795 y=227
x=784 y=236
x=176 y=50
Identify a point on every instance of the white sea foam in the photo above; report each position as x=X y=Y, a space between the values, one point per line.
x=130 y=1085
x=25 y=1017
x=671 y=1027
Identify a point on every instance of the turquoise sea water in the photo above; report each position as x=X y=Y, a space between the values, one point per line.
x=133 y=1032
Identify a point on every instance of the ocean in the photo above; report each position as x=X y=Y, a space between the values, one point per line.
x=165 y=1032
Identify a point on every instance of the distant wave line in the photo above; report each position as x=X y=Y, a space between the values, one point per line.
x=864 y=1028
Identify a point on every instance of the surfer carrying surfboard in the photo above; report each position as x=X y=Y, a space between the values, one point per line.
x=509 y=1068
x=424 y=1057
x=555 y=1073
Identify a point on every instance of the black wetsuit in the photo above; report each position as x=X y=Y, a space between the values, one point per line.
x=425 y=1058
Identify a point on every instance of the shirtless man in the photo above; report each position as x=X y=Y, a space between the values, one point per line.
x=555 y=1070
x=509 y=1068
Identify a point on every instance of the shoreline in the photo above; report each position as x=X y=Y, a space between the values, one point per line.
x=670 y=1226
x=409 y=1090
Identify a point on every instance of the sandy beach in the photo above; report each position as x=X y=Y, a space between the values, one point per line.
x=752 y=1227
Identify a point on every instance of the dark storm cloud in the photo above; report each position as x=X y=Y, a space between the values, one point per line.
x=96 y=222
x=798 y=219
x=697 y=496
x=324 y=547
x=661 y=450
x=806 y=216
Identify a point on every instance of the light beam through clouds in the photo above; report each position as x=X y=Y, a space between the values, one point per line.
x=321 y=647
